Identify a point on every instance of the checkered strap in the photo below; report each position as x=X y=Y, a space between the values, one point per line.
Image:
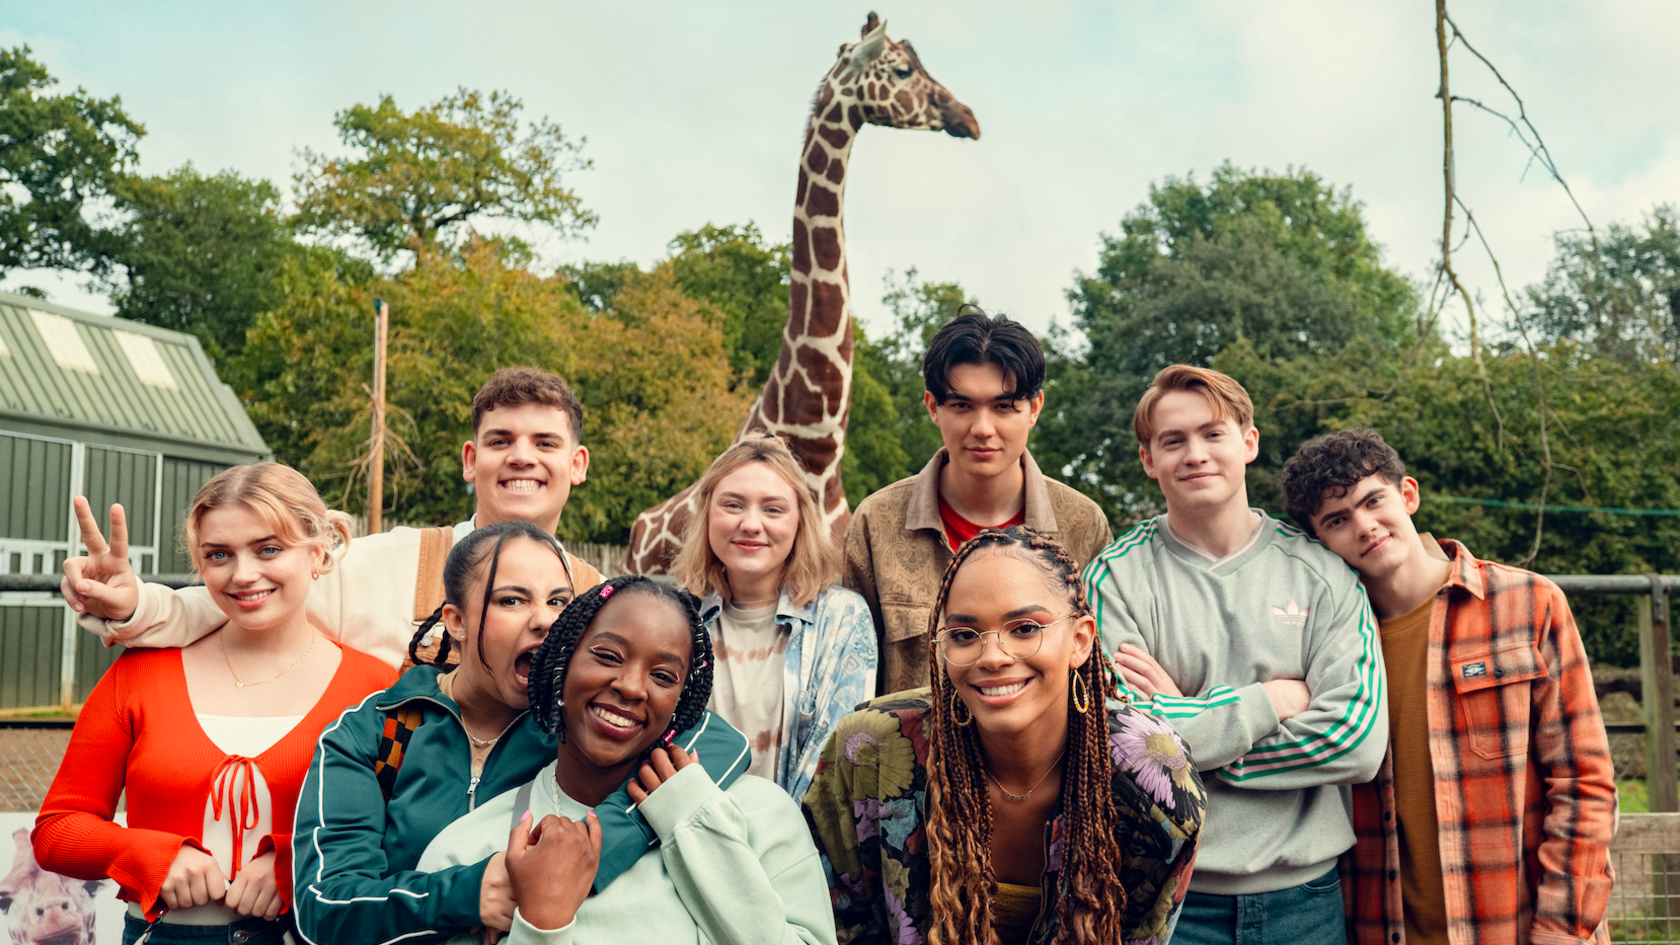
x=400 y=724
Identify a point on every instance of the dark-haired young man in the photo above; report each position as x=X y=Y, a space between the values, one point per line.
x=524 y=457
x=1258 y=646
x=985 y=387
x=1490 y=819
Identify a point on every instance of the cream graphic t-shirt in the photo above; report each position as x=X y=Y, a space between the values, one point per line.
x=747 y=684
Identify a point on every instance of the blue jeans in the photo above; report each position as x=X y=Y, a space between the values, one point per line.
x=1308 y=914
x=243 y=932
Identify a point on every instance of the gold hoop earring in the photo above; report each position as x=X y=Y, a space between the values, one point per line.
x=314 y=574
x=957 y=702
x=1081 y=699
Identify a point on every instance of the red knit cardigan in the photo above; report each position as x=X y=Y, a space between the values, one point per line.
x=138 y=731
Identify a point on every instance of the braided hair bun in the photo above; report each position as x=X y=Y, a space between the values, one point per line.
x=554 y=658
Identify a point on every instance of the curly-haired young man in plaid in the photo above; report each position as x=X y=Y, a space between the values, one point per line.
x=1490 y=820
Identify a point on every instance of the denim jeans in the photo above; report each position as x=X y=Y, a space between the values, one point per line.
x=1308 y=914
x=243 y=932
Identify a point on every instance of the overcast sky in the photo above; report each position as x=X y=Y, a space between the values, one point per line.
x=695 y=116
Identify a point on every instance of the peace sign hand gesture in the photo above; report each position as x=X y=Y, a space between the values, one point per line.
x=101 y=583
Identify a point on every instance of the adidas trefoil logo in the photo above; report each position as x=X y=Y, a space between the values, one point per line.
x=1294 y=615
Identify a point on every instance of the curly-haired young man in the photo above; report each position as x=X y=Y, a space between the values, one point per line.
x=1490 y=819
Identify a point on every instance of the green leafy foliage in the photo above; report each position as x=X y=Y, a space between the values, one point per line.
x=732 y=269
x=199 y=253
x=919 y=308
x=57 y=153
x=1621 y=295
x=1615 y=436
x=651 y=373
x=418 y=179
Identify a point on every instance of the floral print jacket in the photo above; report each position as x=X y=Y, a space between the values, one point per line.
x=866 y=808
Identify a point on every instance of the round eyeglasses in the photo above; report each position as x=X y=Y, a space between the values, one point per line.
x=1018 y=639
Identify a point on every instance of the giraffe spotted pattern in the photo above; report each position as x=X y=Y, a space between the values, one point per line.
x=807 y=398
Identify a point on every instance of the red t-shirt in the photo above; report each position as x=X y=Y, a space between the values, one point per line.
x=959 y=529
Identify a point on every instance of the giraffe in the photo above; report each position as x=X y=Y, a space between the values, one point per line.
x=807 y=398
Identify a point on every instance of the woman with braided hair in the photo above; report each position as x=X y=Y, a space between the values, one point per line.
x=1017 y=799
x=443 y=742
x=625 y=669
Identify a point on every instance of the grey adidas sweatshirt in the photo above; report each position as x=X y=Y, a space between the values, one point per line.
x=1280 y=607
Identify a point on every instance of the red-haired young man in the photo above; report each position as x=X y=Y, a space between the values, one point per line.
x=1258 y=646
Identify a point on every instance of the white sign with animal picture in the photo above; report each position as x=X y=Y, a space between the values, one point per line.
x=42 y=908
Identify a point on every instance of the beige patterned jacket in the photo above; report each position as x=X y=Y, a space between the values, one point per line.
x=896 y=554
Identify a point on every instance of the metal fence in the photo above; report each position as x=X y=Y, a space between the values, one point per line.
x=1645 y=901
x=30 y=750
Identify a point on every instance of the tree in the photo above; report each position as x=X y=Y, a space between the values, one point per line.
x=732 y=269
x=874 y=455
x=1281 y=261
x=419 y=179
x=889 y=435
x=596 y=284
x=199 y=254
x=650 y=371
x=58 y=152
x=919 y=310
x=1620 y=294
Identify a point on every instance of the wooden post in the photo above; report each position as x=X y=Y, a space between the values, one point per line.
x=376 y=458
x=1656 y=670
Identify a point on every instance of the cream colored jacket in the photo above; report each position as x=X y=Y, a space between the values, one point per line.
x=366 y=601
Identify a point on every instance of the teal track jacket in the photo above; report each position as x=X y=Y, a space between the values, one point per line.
x=354 y=853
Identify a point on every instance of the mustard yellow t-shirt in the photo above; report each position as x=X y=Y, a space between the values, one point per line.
x=1014 y=911
x=1405 y=644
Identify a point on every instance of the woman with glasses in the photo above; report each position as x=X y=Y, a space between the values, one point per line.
x=1016 y=799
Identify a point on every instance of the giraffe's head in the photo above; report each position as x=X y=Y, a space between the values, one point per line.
x=880 y=82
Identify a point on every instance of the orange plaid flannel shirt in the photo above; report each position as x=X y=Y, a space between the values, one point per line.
x=1525 y=794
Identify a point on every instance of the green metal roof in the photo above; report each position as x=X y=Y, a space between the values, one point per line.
x=69 y=369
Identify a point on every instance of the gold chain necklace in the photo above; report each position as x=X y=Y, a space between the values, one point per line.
x=450 y=692
x=239 y=684
x=1022 y=797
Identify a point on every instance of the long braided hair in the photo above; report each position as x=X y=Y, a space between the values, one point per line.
x=554 y=657
x=458 y=569
x=1092 y=903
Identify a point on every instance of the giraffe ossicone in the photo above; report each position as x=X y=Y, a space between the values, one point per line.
x=807 y=399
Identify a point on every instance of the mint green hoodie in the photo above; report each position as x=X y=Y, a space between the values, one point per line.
x=1280 y=607
x=730 y=866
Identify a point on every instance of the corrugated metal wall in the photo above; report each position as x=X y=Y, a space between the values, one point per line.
x=30 y=655
x=181 y=481
x=35 y=494
x=93 y=658
x=37 y=478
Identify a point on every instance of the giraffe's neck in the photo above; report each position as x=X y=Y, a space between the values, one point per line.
x=808 y=395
